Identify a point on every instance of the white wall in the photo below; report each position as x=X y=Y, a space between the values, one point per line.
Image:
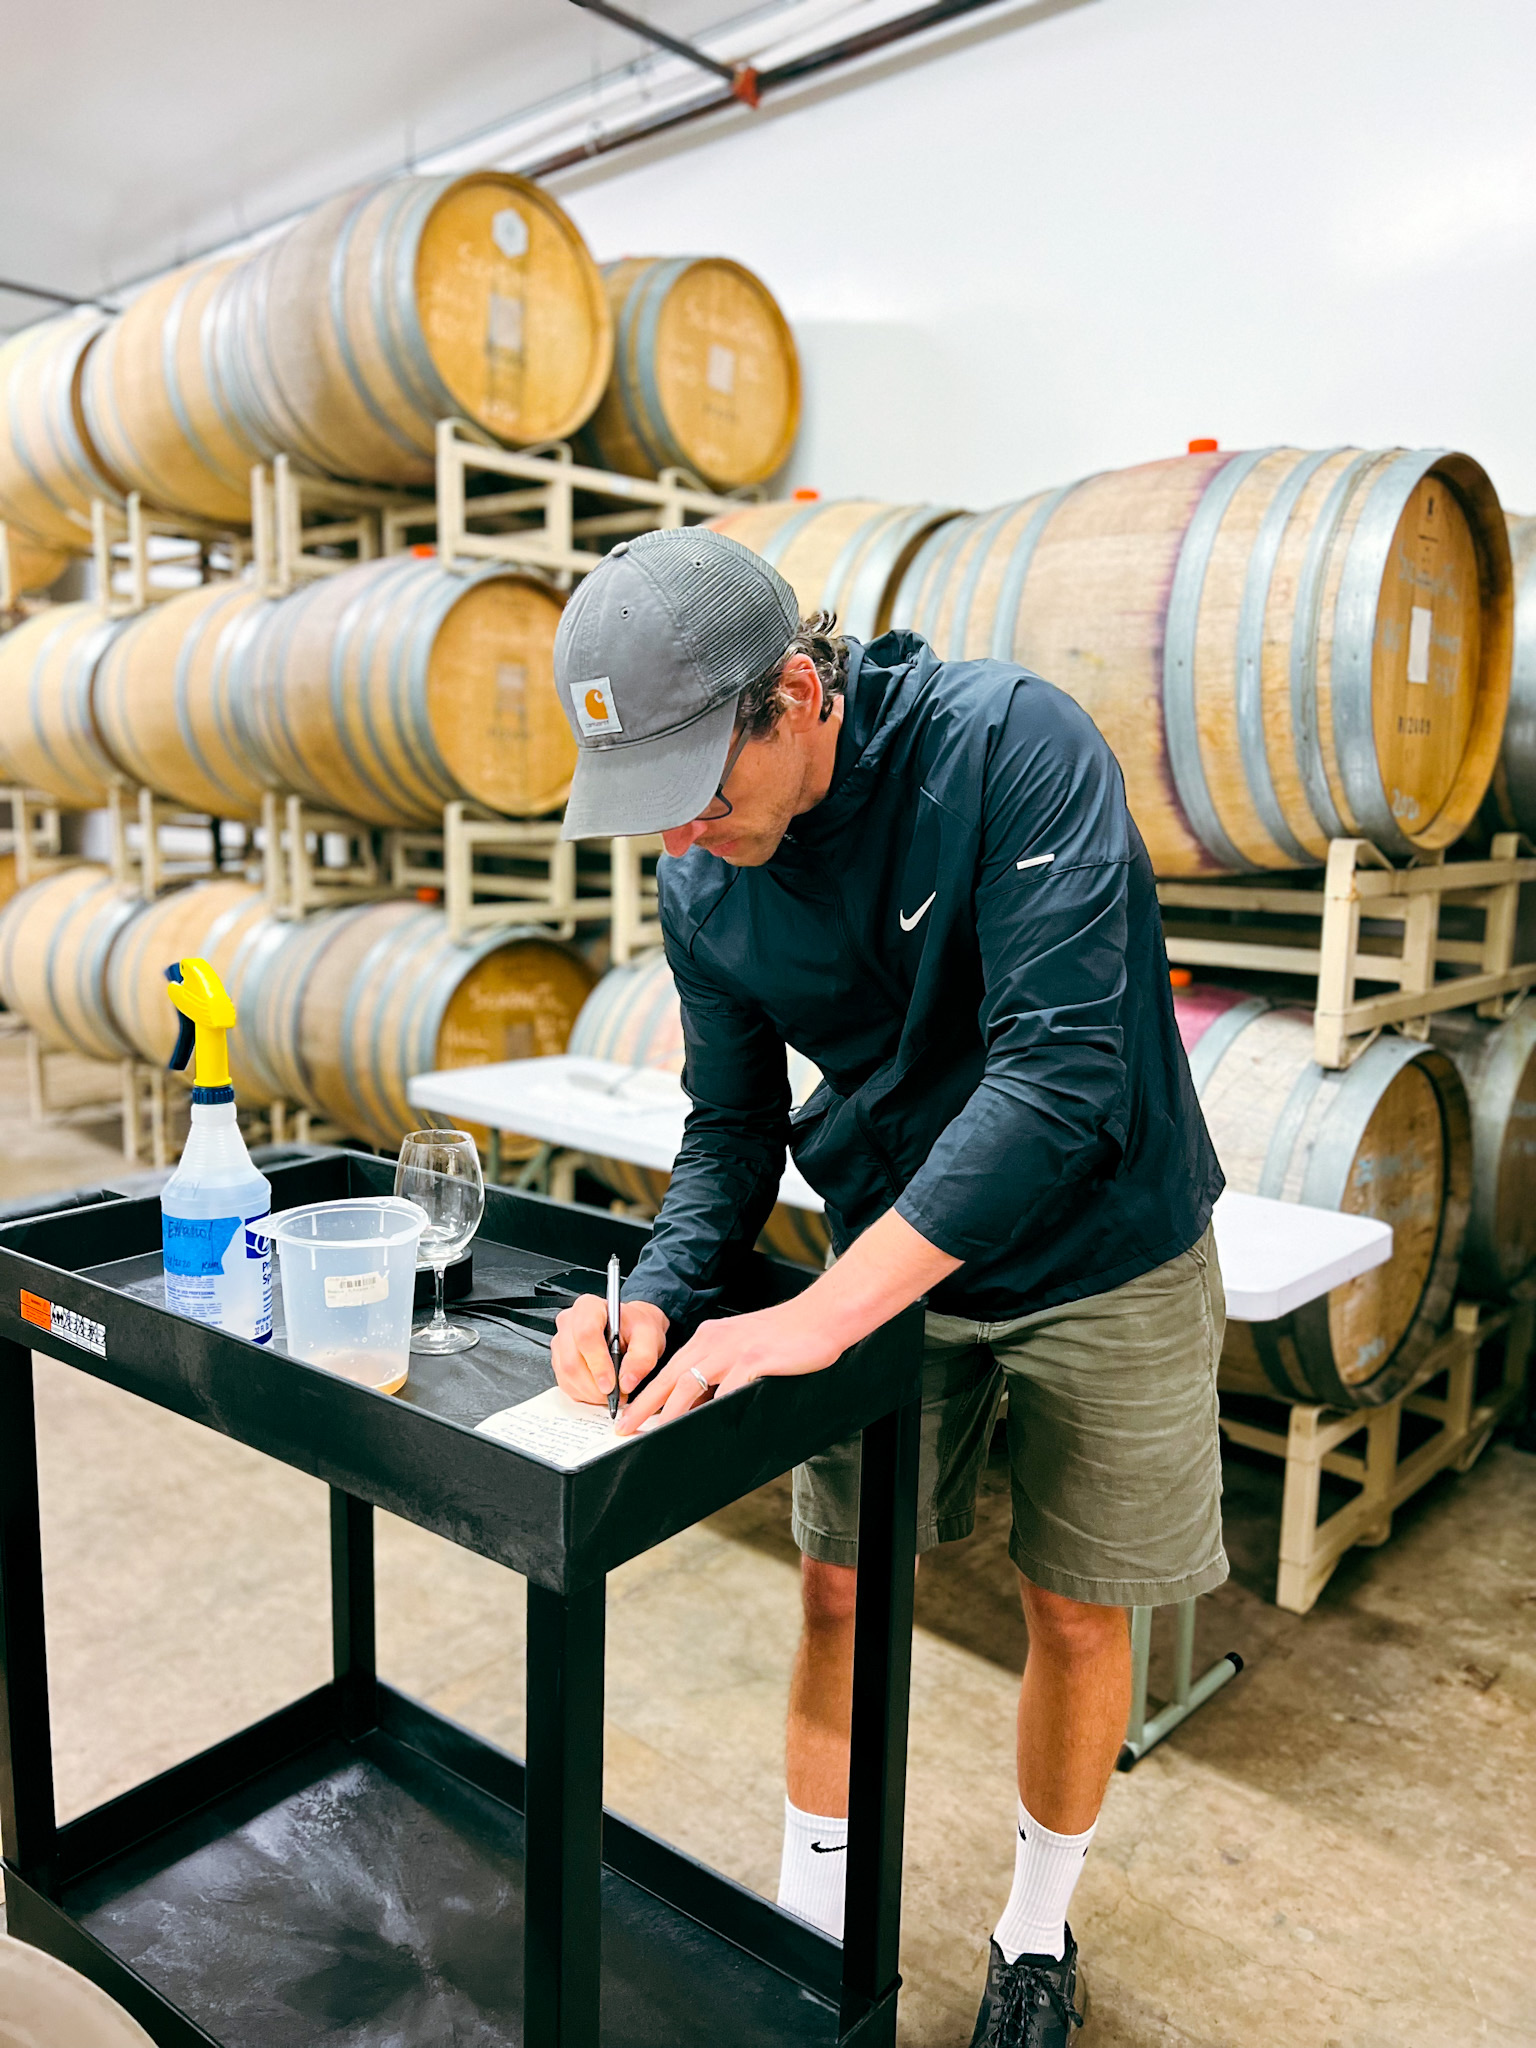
x=1077 y=243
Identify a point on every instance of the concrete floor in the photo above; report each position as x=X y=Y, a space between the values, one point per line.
x=1338 y=1852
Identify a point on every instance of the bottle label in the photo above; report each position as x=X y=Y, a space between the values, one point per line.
x=219 y=1271
x=353 y=1290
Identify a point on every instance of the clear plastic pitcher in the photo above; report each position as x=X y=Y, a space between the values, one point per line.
x=348 y=1273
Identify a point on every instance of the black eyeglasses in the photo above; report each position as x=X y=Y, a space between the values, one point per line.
x=709 y=814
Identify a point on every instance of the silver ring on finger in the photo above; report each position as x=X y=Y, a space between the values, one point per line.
x=704 y=1386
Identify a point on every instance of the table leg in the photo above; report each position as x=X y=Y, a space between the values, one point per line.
x=563 y=1817
x=1189 y=1692
x=882 y=1667
x=353 y=1656
x=28 y=1824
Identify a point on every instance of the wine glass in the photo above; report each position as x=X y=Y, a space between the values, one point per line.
x=441 y=1171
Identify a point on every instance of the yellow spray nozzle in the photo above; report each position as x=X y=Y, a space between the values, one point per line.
x=206 y=1015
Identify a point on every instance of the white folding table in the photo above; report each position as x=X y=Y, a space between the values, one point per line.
x=1274 y=1256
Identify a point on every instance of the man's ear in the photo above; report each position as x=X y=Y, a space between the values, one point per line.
x=800 y=692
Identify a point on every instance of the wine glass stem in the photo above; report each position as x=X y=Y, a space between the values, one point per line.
x=439 y=1320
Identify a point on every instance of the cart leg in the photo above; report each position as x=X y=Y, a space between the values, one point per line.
x=877 y=1772
x=352 y=1625
x=563 y=1818
x=27 y=1819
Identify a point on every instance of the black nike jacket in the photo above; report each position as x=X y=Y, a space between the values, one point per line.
x=964 y=936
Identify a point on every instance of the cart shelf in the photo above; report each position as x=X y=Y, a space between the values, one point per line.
x=356 y=1869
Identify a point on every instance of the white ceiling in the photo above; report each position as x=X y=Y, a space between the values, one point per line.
x=134 y=137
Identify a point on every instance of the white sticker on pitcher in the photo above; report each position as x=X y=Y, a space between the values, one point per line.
x=1419 y=621
x=355 y=1290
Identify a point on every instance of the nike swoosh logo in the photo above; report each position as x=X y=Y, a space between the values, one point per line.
x=827 y=1848
x=910 y=924
x=1039 y=860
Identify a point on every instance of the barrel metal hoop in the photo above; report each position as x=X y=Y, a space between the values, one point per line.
x=270 y=699
x=226 y=683
x=103 y=416
x=410 y=208
x=182 y=694
x=245 y=981
x=775 y=546
x=626 y=371
x=23 y=451
x=1218 y=1037
x=1288 y=1128
x=866 y=541
x=871 y=578
x=362 y=622
x=911 y=605
x=1181 y=723
x=1517 y=756
x=40 y=736
x=56 y=417
x=170 y=338
x=380 y=298
x=1306 y=726
x=410 y=663
x=226 y=366
x=951 y=541
x=1252 y=738
x=312 y=939
x=965 y=597
x=370 y=979
x=1354 y=636
x=647 y=358
x=1010 y=592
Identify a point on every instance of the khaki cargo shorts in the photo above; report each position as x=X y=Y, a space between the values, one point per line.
x=1112 y=1441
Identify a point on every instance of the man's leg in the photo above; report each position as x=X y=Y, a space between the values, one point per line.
x=821 y=1691
x=1074 y=1703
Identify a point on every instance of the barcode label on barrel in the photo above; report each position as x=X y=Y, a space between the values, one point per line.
x=355 y=1290
x=67 y=1323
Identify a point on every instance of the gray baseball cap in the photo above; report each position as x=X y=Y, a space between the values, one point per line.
x=654 y=649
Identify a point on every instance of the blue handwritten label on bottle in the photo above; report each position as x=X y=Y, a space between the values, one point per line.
x=195 y=1245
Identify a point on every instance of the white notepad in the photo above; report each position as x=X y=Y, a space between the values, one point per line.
x=557 y=1429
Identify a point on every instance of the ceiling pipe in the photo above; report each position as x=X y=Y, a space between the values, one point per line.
x=740 y=79
x=845 y=51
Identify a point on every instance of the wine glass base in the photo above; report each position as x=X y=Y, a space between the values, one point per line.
x=429 y=1343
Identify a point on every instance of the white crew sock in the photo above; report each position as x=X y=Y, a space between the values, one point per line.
x=814 y=1868
x=1046 y=1867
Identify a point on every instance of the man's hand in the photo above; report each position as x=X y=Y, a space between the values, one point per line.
x=731 y=1352
x=890 y=1266
x=579 y=1354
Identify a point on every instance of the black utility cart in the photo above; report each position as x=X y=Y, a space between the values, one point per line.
x=355 y=1868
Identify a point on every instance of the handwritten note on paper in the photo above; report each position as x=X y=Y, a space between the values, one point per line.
x=555 y=1428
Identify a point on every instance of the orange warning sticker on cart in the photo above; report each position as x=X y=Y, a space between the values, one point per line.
x=67 y=1323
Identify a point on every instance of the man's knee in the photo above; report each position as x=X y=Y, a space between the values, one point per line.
x=1075 y=1630
x=827 y=1594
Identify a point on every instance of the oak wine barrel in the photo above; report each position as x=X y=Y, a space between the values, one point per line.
x=1389 y=1137
x=206 y=920
x=348 y=338
x=705 y=378
x=153 y=409
x=359 y=1000
x=1510 y=805
x=27 y=567
x=49 y=739
x=633 y=1017
x=166 y=699
x=843 y=555
x=1281 y=648
x=56 y=940
x=49 y=471
x=392 y=688
x=1497 y=1064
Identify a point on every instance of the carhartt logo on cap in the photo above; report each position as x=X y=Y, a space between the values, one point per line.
x=594 y=708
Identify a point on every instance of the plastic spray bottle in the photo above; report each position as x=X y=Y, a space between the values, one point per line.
x=217 y=1268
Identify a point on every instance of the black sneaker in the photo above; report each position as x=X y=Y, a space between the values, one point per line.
x=1036 y=2002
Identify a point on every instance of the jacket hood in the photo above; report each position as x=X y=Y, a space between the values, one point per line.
x=887 y=680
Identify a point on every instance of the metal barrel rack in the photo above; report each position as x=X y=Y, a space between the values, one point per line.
x=355 y=1865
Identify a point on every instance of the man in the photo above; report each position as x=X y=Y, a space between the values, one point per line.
x=924 y=877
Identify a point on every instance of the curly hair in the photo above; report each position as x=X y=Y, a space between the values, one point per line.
x=761 y=704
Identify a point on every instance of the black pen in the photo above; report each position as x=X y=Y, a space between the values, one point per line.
x=615 y=1348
